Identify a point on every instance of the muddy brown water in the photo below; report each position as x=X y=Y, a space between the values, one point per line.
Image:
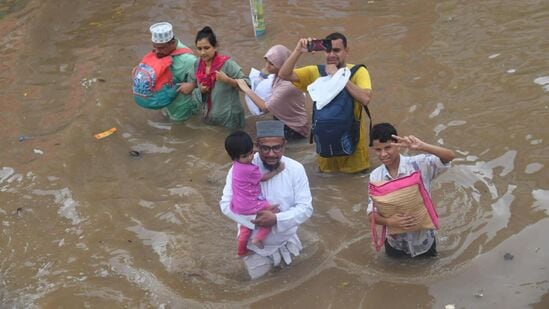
x=84 y=224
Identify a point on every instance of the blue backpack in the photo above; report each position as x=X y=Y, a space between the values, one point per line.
x=335 y=130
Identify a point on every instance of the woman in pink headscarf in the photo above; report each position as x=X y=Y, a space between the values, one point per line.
x=286 y=103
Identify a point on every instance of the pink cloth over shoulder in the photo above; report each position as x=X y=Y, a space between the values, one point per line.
x=390 y=198
x=287 y=103
x=246 y=189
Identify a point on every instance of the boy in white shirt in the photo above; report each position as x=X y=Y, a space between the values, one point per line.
x=386 y=145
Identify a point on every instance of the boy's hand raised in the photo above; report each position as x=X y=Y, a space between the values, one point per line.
x=411 y=142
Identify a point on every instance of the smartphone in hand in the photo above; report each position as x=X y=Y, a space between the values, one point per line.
x=318 y=45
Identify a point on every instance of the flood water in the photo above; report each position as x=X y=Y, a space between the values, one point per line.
x=86 y=225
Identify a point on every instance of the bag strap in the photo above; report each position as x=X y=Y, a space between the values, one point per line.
x=378 y=243
x=322 y=71
x=353 y=71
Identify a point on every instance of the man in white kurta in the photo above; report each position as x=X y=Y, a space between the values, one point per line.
x=289 y=190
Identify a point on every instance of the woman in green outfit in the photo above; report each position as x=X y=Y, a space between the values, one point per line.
x=216 y=76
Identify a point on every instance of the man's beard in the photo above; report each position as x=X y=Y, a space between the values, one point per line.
x=271 y=167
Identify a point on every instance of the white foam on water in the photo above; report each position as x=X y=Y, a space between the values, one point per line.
x=439 y=128
x=533 y=167
x=479 y=183
x=412 y=108
x=106 y=293
x=484 y=172
x=159 y=125
x=64 y=198
x=9 y=177
x=542 y=199
x=60 y=242
x=501 y=211
x=455 y=123
x=151 y=148
x=183 y=191
x=5 y=173
x=437 y=110
x=163 y=244
x=471 y=158
x=543 y=81
x=169 y=217
x=484 y=152
x=146 y=204
x=160 y=293
x=507 y=161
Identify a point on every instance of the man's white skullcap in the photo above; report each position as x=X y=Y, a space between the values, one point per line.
x=269 y=128
x=161 y=32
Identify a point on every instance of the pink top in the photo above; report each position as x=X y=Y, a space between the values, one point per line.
x=247 y=198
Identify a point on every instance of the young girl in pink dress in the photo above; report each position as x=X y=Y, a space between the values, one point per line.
x=246 y=177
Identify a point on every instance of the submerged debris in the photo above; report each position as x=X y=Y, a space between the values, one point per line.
x=24 y=138
x=105 y=133
x=508 y=256
x=87 y=83
x=135 y=153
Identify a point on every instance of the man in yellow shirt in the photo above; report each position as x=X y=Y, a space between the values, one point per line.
x=359 y=87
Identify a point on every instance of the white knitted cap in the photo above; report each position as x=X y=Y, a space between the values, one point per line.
x=161 y=32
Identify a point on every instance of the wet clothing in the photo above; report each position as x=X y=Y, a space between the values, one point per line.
x=183 y=106
x=290 y=190
x=290 y=134
x=358 y=161
x=286 y=103
x=247 y=200
x=244 y=235
x=394 y=253
x=416 y=242
x=222 y=106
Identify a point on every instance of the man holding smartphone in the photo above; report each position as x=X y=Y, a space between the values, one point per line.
x=359 y=87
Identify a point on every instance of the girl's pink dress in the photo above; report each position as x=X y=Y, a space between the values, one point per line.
x=247 y=200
